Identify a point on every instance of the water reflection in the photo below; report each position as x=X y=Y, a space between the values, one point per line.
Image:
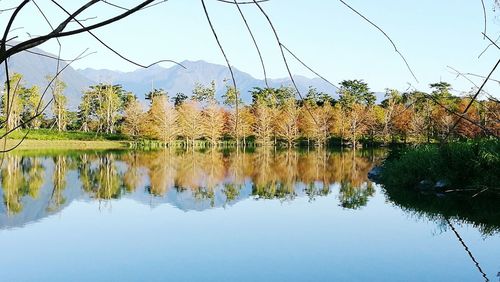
x=481 y=211
x=189 y=180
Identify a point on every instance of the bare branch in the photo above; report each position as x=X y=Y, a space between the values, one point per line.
x=9 y=26
x=127 y=9
x=53 y=57
x=39 y=40
x=309 y=68
x=39 y=111
x=228 y=65
x=458 y=73
x=285 y=61
x=487 y=47
x=386 y=36
x=241 y=3
x=254 y=41
x=473 y=98
x=484 y=17
x=491 y=41
x=112 y=49
x=60 y=33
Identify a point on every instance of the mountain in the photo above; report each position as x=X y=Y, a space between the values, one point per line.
x=178 y=79
x=36 y=68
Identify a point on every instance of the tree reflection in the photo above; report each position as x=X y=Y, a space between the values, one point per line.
x=352 y=197
x=35 y=173
x=21 y=176
x=215 y=177
x=107 y=179
x=13 y=183
x=132 y=177
x=57 y=198
x=100 y=177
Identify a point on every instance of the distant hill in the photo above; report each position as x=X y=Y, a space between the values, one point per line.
x=35 y=69
x=174 y=79
x=177 y=79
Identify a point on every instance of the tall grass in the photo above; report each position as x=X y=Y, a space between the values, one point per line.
x=470 y=164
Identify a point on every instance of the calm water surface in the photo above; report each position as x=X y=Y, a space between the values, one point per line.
x=214 y=216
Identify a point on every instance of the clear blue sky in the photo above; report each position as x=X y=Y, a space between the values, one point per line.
x=324 y=33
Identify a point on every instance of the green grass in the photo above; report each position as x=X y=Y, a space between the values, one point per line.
x=47 y=134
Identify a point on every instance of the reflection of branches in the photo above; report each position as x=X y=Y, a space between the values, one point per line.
x=467 y=249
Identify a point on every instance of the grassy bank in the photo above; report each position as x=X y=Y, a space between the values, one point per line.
x=470 y=172
x=47 y=134
x=44 y=139
x=30 y=144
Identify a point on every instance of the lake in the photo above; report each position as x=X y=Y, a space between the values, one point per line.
x=261 y=215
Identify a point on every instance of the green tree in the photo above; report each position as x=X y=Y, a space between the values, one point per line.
x=179 y=98
x=355 y=99
x=204 y=94
x=104 y=103
x=59 y=104
x=30 y=99
x=86 y=109
x=155 y=93
x=12 y=107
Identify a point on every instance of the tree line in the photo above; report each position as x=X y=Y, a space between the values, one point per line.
x=275 y=116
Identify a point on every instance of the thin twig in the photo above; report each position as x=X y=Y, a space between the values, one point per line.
x=112 y=49
x=228 y=65
x=386 y=36
x=473 y=98
x=254 y=41
x=285 y=61
x=309 y=68
x=491 y=41
x=484 y=17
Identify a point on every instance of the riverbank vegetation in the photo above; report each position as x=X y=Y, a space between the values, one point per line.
x=471 y=166
x=457 y=180
x=275 y=117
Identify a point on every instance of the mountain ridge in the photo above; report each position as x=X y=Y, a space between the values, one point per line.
x=177 y=79
x=172 y=79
